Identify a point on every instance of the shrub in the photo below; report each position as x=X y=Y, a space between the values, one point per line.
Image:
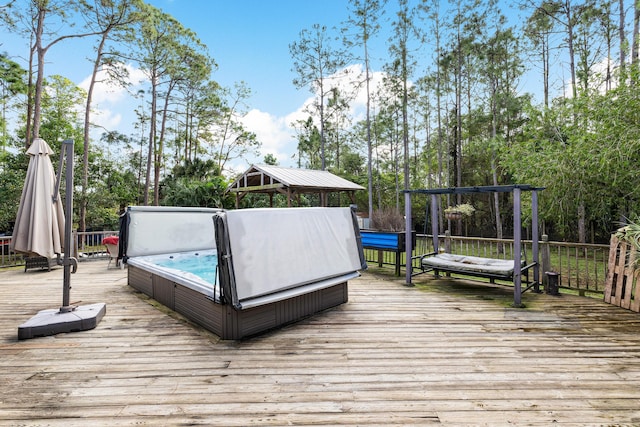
x=387 y=219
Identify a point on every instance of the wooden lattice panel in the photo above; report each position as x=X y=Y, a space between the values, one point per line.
x=621 y=287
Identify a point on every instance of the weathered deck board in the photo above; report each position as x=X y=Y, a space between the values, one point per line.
x=447 y=355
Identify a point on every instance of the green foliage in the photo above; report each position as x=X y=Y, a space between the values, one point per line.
x=270 y=159
x=62 y=103
x=584 y=152
x=190 y=192
x=196 y=183
x=230 y=139
x=13 y=169
x=12 y=84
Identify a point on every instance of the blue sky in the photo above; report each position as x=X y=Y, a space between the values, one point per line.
x=249 y=40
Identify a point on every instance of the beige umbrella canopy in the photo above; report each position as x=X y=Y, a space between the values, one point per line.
x=39 y=224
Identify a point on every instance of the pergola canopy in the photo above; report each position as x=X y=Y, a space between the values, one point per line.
x=292 y=183
x=477 y=189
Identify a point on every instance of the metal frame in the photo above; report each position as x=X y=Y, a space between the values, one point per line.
x=517 y=226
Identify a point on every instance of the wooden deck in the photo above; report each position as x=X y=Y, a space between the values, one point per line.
x=450 y=354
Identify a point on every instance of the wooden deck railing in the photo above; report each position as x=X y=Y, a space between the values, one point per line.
x=582 y=267
x=8 y=258
x=87 y=245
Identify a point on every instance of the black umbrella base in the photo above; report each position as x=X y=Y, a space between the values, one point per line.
x=56 y=321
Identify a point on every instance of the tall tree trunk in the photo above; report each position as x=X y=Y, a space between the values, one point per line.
x=160 y=150
x=322 y=155
x=458 y=140
x=494 y=166
x=82 y=217
x=369 y=143
x=582 y=229
x=40 y=53
x=545 y=68
x=441 y=140
x=622 y=35
x=29 y=124
x=636 y=34
x=570 y=40
x=152 y=137
x=405 y=119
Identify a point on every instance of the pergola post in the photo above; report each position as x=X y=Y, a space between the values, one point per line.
x=434 y=223
x=517 y=248
x=535 y=240
x=408 y=240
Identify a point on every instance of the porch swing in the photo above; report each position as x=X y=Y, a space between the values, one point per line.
x=479 y=266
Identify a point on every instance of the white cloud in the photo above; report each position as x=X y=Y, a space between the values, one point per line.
x=278 y=136
x=110 y=101
x=113 y=108
x=597 y=78
x=108 y=91
x=275 y=134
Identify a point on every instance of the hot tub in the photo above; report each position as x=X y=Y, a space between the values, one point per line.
x=196 y=270
x=274 y=266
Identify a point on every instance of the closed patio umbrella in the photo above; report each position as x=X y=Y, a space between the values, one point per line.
x=39 y=226
x=39 y=209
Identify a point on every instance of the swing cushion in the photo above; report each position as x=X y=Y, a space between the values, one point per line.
x=471 y=264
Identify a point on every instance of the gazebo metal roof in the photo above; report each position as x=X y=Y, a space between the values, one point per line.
x=290 y=182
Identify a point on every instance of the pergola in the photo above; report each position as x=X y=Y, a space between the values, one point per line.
x=292 y=183
x=517 y=225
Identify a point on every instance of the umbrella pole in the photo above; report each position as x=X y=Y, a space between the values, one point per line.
x=68 y=261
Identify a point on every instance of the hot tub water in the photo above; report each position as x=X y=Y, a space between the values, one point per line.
x=202 y=265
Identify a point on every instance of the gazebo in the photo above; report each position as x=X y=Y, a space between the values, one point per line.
x=292 y=183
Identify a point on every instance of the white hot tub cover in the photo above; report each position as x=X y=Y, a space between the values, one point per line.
x=152 y=230
x=271 y=252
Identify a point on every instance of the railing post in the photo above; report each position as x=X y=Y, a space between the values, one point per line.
x=447 y=241
x=74 y=239
x=545 y=249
